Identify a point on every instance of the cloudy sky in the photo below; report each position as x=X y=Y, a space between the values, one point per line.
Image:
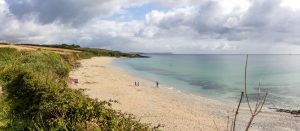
x=179 y=26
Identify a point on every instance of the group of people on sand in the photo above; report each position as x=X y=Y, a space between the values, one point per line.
x=136 y=83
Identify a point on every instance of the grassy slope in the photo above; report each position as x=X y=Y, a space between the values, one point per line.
x=64 y=48
x=36 y=94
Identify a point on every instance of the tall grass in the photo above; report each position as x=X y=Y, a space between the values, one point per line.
x=37 y=97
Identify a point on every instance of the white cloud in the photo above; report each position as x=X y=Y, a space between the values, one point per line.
x=293 y=4
x=183 y=26
x=74 y=12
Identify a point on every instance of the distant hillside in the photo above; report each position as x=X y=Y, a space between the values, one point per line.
x=69 y=49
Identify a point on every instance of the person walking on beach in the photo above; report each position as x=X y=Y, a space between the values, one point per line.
x=137 y=83
x=156 y=84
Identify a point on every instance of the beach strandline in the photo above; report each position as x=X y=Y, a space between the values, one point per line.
x=173 y=109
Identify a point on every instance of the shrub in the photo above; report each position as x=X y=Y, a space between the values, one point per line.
x=37 y=96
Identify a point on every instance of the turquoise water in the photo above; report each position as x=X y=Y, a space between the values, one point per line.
x=222 y=76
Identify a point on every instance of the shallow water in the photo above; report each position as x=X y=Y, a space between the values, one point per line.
x=222 y=76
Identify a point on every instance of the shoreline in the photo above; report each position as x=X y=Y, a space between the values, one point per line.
x=172 y=88
x=289 y=108
x=175 y=110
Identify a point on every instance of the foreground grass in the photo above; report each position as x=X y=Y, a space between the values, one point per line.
x=36 y=95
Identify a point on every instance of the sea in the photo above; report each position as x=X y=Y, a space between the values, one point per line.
x=222 y=76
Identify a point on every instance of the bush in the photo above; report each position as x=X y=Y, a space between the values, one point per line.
x=37 y=96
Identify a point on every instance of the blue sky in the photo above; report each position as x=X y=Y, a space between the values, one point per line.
x=134 y=13
x=179 y=26
x=139 y=12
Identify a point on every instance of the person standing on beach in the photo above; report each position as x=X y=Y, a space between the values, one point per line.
x=156 y=84
x=136 y=83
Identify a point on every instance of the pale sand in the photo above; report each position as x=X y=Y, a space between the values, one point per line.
x=171 y=108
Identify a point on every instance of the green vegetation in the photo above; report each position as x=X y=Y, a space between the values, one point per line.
x=89 y=51
x=36 y=95
x=4 y=43
x=61 y=46
x=102 y=52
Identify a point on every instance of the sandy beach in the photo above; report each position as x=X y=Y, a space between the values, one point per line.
x=173 y=109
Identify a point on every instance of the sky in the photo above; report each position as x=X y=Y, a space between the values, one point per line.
x=178 y=26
